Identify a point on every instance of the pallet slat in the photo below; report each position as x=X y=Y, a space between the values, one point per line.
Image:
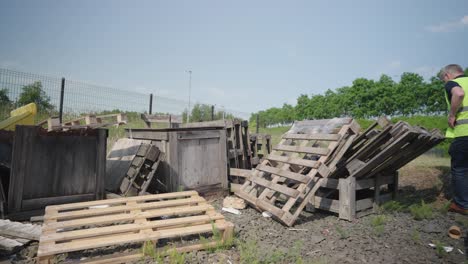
x=308 y=150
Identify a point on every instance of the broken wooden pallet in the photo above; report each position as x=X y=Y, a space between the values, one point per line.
x=288 y=172
x=90 y=225
x=141 y=171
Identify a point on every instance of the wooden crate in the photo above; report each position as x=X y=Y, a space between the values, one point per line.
x=293 y=171
x=352 y=198
x=55 y=168
x=195 y=158
x=90 y=225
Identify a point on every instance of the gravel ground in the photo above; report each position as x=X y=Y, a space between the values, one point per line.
x=321 y=237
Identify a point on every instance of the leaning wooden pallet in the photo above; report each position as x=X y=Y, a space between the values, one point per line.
x=81 y=226
x=290 y=170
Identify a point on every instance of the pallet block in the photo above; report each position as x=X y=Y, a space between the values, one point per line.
x=293 y=171
x=90 y=225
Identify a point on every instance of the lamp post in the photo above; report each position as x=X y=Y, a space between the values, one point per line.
x=189 y=92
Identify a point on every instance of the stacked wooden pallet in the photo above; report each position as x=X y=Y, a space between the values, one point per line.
x=259 y=142
x=117 y=222
x=289 y=173
x=367 y=175
x=141 y=171
x=349 y=175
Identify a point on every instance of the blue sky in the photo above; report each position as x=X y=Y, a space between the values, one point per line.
x=245 y=55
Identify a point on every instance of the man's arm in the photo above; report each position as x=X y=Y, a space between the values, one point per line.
x=457 y=98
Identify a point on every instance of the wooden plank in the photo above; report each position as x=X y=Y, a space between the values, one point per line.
x=240 y=172
x=146 y=198
x=327 y=204
x=294 y=161
x=127 y=217
x=317 y=136
x=299 y=149
x=284 y=173
x=276 y=187
x=123 y=208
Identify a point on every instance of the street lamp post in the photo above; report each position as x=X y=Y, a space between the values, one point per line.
x=190 y=89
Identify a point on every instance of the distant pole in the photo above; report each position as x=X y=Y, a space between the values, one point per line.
x=151 y=104
x=258 y=120
x=212 y=112
x=189 y=93
x=62 y=92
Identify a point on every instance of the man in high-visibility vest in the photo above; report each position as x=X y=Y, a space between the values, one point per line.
x=456 y=87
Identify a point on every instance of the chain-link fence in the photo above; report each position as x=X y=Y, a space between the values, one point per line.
x=69 y=99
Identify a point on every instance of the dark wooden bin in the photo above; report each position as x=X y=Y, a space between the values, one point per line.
x=55 y=168
x=196 y=158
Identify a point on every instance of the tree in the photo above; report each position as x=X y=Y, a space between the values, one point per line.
x=5 y=104
x=33 y=93
x=4 y=99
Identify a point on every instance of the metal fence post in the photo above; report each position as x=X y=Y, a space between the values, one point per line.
x=151 y=104
x=212 y=112
x=62 y=91
x=258 y=119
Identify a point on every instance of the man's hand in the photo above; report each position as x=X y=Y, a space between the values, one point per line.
x=451 y=121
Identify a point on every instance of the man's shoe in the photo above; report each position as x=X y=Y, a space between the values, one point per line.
x=457 y=209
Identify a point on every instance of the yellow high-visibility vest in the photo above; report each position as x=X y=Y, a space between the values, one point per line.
x=461 y=118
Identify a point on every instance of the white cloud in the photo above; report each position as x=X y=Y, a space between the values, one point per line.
x=449 y=26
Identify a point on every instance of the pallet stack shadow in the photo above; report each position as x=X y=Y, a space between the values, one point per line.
x=329 y=166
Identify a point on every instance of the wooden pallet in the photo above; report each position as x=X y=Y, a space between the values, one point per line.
x=289 y=173
x=90 y=225
x=369 y=163
x=141 y=171
x=390 y=149
x=88 y=121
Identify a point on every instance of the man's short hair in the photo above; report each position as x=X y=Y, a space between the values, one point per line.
x=452 y=69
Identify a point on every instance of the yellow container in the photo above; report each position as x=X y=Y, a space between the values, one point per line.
x=20 y=116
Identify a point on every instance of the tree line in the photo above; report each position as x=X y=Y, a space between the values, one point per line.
x=365 y=98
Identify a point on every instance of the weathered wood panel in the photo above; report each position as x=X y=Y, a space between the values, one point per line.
x=68 y=166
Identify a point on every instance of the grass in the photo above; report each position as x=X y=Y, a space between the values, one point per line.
x=416 y=236
x=440 y=251
x=422 y=211
x=250 y=254
x=391 y=206
x=378 y=224
x=344 y=234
